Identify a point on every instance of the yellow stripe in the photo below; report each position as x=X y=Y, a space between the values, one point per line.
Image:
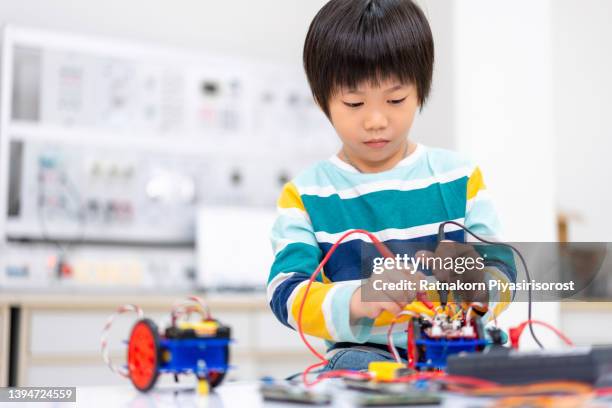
x=385 y=318
x=505 y=296
x=475 y=184
x=290 y=197
x=324 y=277
x=313 y=320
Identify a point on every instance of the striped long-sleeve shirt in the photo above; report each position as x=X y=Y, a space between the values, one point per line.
x=403 y=204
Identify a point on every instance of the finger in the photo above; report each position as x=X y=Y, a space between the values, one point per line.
x=392 y=307
x=448 y=253
x=401 y=297
x=372 y=309
x=418 y=277
x=454 y=249
x=435 y=262
x=447 y=248
x=397 y=286
x=424 y=254
x=430 y=263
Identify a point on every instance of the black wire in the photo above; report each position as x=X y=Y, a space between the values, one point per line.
x=80 y=215
x=466 y=229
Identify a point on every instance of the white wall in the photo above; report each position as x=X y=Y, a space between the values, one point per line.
x=582 y=55
x=270 y=29
x=503 y=111
x=503 y=108
x=435 y=125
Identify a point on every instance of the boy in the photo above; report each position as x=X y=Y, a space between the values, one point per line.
x=369 y=64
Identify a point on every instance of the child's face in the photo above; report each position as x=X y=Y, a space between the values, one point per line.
x=373 y=121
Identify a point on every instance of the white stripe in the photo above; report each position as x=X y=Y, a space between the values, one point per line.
x=411 y=158
x=389 y=233
x=275 y=283
x=292 y=213
x=292 y=322
x=395 y=184
x=280 y=244
x=345 y=166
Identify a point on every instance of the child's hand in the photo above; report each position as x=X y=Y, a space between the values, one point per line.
x=392 y=301
x=473 y=274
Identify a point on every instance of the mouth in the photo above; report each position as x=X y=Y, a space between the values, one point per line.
x=376 y=143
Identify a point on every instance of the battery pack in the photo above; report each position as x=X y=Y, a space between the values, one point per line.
x=591 y=365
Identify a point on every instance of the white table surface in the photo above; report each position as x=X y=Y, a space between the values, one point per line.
x=228 y=395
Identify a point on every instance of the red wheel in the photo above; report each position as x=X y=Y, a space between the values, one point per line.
x=143 y=355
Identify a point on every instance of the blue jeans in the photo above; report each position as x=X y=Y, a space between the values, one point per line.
x=354 y=359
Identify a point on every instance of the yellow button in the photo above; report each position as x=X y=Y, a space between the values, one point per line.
x=384 y=370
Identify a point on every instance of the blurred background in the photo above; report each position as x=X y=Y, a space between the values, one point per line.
x=138 y=139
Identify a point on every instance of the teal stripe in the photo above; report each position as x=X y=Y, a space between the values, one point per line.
x=296 y=257
x=403 y=209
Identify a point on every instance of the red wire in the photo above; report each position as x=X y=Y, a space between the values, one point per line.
x=383 y=251
x=450 y=379
x=309 y=369
x=422 y=297
x=410 y=341
x=411 y=345
x=341 y=374
x=605 y=391
x=517 y=332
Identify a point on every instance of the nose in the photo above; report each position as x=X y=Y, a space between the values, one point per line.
x=375 y=121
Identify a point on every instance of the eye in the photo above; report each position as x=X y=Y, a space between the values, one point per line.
x=397 y=101
x=353 y=104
